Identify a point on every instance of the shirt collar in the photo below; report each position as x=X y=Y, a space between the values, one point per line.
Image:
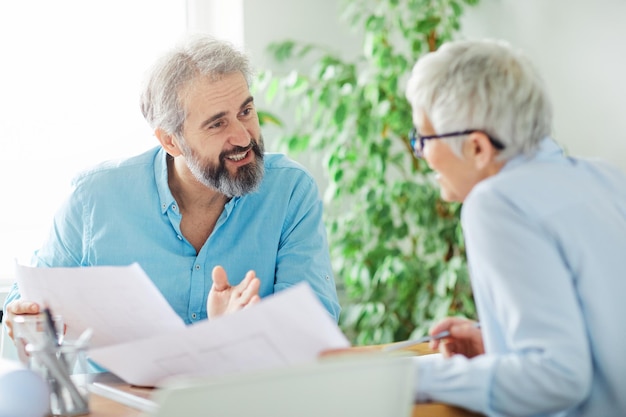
x=160 y=175
x=548 y=149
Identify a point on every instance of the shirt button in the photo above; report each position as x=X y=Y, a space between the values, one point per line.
x=197 y=267
x=193 y=315
x=174 y=207
x=327 y=278
x=164 y=205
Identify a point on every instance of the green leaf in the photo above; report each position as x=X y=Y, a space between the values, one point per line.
x=457 y=9
x=282 y=50
x=340 y=114
x=298 y=143
x=338 y=175
x=374 y=23
x=272 y=90
x=428 y=24
x=266 y=118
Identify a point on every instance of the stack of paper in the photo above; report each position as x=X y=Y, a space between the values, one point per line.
x=139 y=337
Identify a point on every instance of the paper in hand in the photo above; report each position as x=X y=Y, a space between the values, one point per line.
x=119 y=303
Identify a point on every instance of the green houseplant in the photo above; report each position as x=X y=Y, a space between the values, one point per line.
x=397 y=247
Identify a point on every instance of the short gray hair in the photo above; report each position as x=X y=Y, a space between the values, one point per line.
x=483 y=85
x=197 y=55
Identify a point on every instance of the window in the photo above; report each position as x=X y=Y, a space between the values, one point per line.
x=69 y=98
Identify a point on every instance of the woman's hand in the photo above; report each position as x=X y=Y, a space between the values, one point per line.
x=465 y=338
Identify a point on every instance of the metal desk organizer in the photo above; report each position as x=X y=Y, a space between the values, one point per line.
x=57 y=360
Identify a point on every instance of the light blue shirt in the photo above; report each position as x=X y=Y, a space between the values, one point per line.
x=546 y=244
x=123 y=212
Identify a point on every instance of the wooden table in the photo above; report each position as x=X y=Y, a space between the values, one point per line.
x=104 y=407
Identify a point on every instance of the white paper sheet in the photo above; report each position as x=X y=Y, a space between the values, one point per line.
x=120 y=303
x=287 y=328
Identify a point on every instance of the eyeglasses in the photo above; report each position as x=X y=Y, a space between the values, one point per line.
x=416 y=139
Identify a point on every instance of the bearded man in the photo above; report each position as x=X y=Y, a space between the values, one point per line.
x=208 y=201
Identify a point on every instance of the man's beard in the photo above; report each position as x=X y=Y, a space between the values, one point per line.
x=216 y=176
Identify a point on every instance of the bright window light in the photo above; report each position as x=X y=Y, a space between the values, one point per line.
x=69 y=98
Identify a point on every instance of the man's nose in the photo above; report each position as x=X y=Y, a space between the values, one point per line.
x=239 y=135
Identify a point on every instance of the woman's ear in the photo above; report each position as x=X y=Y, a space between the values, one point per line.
x=480 y=150
x=168 y=142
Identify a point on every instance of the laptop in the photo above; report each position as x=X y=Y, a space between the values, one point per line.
x=360 y=385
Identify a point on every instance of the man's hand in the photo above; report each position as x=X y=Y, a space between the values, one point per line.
x=18 y=307
x=465 y=338
x=224 y=298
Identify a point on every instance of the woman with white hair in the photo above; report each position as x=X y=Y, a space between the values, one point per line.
x=544 y=233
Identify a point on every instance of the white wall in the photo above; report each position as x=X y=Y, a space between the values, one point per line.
x=221 y=18
x=578 y=45
x=308 y=21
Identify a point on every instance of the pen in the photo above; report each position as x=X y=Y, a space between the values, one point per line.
x=52 y=331
x=47 y=354
x=424 y=339
x=55 y=362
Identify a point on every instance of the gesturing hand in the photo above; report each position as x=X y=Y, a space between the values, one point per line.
x=465 y=338
x=224 y=298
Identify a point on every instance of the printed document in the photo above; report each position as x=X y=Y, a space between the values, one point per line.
x=139 y=337
x=287 y=328
x=119 y=303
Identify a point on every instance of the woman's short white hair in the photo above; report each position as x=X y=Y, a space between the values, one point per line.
x=197 y=55
x=483 y=85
